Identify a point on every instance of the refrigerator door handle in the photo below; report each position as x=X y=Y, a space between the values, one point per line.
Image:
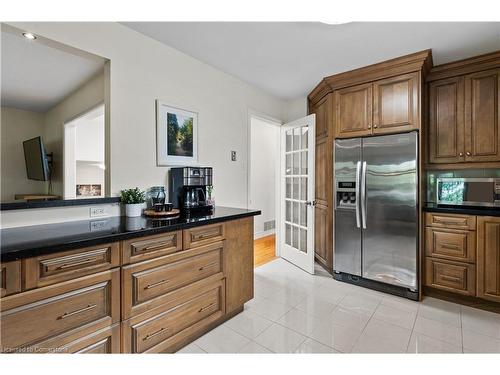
x=358 y=213
x=363 y=194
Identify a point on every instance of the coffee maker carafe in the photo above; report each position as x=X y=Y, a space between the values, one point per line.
x=188 y=189
x=194 y=197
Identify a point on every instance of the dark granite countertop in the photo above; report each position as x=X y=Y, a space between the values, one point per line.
x=24 y=242
x=447 y=209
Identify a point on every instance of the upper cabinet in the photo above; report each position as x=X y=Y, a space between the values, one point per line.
x=446 y=121
x=353 y=111
x=389 y=105
x=464 y=110
x=396 y=104
x=322 y=111
x=482 y=133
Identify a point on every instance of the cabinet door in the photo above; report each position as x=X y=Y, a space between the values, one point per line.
x=395 y=104
x=488 y=258
x=322 y=110
x=353 y=111
x=322 y=172
x=446 y=121
x=482 y=133
x=322 y=236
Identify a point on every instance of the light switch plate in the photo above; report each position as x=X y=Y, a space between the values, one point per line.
x=233 y=155
x=98 y=211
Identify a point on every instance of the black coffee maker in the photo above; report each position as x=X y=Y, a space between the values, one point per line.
x=188 y=189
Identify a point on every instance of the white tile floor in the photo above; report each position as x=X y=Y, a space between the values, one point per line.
x=294 y=312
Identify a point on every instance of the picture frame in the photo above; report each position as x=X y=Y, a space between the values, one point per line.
x=176 y=135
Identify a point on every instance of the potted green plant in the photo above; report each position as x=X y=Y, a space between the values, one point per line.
x=134 y=200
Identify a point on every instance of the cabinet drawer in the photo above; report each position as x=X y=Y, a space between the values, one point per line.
x=450 y=221
x=10 y=278
x=143 y=282
x=53 y=268
x=459 y=245
x=451 y=276
x=140 y=249
x=105 y=341
x=162 y=328
x=30 y=317
x=203 y=235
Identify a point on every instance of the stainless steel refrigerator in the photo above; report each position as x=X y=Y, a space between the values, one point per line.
x=376 y=213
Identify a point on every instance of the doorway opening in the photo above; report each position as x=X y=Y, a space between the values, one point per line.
x=84 y=167
x=263 y=184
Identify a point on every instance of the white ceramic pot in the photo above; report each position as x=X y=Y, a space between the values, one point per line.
x=133 y=210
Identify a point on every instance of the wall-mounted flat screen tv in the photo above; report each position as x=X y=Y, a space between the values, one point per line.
x=37 y=164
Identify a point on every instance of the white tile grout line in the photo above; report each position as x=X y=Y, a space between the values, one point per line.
x=461 y=329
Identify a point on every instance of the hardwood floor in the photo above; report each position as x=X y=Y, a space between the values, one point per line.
x=264 y=250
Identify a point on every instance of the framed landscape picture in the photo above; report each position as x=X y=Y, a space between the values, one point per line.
x=176 y=135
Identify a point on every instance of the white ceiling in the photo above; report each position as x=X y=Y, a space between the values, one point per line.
x=36 y=76
x=288 y=59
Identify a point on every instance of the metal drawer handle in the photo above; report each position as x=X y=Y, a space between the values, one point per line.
x=67 y=315
x=157 y=245
x=447 y=222
x=207 y=266
x=451 y=246
x=68 y=265
x=206 y=307
x=149 y=286
x=451 y=278
x=151 y=335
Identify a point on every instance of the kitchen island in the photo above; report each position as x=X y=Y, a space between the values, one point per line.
x=124 y=285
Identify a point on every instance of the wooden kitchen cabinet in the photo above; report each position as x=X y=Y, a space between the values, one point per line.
x=238 y=263
x=446 y=121
x=322 y=236
x=40 y=318
x=165 y=291
x=353 y=111
x=482 y=112
x=323 y=212
x=396 y=104
x=322 y=112
x=10 y=278
x=464 y=112
x=488 y=258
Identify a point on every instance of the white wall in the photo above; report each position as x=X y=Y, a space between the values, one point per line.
x=142 y=70
x=264 y=159
x=17 y=126
x=295 y=109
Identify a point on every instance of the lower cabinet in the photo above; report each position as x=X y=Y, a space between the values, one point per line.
x=463 y=255
x=456 y=277
x=152 y=294
x=166 y=327
x=43 y=319
x=488 y=258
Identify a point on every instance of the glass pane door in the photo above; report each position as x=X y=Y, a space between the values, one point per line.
x=298 y=188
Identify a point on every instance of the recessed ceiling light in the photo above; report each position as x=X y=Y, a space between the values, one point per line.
x=29 y=36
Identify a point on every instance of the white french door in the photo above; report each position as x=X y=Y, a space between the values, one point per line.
x=297 y=192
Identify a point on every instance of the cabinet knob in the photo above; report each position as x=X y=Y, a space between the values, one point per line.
x=461 y=154
x=468 y=153
x=375 y=126
x=369 y=126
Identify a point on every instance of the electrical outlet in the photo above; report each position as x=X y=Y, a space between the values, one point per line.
x=98 y=225
x=233 y=155
x=98 y=211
